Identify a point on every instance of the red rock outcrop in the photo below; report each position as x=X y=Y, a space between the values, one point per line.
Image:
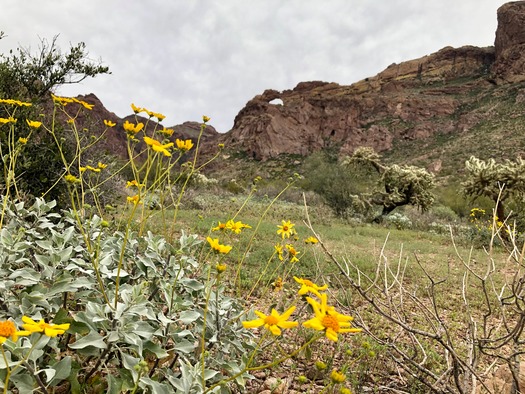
x=510 y=43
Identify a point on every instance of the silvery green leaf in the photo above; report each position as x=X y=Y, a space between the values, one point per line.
x=92 y=339
x=62 y=370
x=155 y=349
x=184 y=346
x=189 y=316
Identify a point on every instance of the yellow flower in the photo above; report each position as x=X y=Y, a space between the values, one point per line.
x=236 y=227
x=166 y=132
x=221 y=268
x=7 y=120
x=15 y=102
x=134 y=199
x=286 y=229
x=311 y=240
x=109 y=123
x=23 y=140
x=292 y=253
x=215 y=245
x=61 y=100
x=274 y=322
x=205 y=119
x=101 y=165
x=49 y=329
x=8 y=330
x=136 y=109
x=158 y=147
x=71 y=179
x=33 y=123
x=84 y=104
x=82 y=169
x=279 y=250
x=278 y=284
x=345 y=390
x=221 y=146
x=132 y=129
x=308 y=286
x=328 y=320
x=134 y=183
x=220 y=227
x=184 y=145
x=152 y=114
x=337 y=377
x=93 y=169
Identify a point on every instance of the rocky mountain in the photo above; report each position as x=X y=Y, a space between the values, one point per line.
x=454 y=96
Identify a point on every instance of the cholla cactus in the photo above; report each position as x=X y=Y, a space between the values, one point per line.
x=404 y=185
x=497 y=181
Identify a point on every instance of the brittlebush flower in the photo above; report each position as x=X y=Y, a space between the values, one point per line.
x=71 y=179
x=23 y=140
x=7 y=120
x=337 y=377
x=292 y=253
x=221 y=268
x=308 y=286
x=166 y=132
x=109 y=123
x=184 y=145
x=273 y=322
x=15 y=102
x=286 y=230
x=136 y=109
x=83 y=103
x=49 y=329
x=279 y=250
x=8 y=330
x=220 y=227
x=33 y=123
x=157 y=146
x=134 y=199
x=311 y=240
x=93 y=169
x=215 y=245
x=278 y=284
x=132 y=129
x=61 y=100
x=205 y=118
x=236 y=227
x=327 y=319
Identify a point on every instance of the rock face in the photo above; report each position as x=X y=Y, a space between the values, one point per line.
x=411 y=100
x=510 y=42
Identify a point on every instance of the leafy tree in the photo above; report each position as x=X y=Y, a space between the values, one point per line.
x=401 y=185
x=31 y=78
x=501 y=182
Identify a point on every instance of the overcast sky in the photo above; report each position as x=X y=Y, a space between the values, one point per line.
x=187 y=58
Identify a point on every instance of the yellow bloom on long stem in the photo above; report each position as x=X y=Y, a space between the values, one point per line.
x=220 y=227
x=109 y=123
x=215 y=245
x=328 y=320
x=8 y=330
x=279 y=250
x=236 y=227
x=15 y=102
x=49 y=329
x=184 y=145
x=311 y=240
x=307 y=286
x=286 y=230
x=292 y=253
x=23 y=140
x=337 y=377
x=157 y=146
x=136 y=109
x=33 y=123
x=273 y=322
x=132 y=129
x=134 y=199
x=7 y=120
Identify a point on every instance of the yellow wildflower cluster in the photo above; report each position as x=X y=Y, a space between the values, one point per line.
x=132 y=129
x=134 y=183
x=68 y=100
x=482 y=221
x=286 y=229
x=157 y=146
x=185 y=145
x=325 y=319
x=34 y=124
x=7 y=120
x=233 y=226
x=15 y=102
x=151 y=114
x=215 y=245
x=96 y=169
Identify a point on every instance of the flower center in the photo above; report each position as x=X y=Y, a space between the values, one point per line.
x=271 y=320
x=330 y=322
x=285 y=228
x=7 y=329
x=308 y=283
